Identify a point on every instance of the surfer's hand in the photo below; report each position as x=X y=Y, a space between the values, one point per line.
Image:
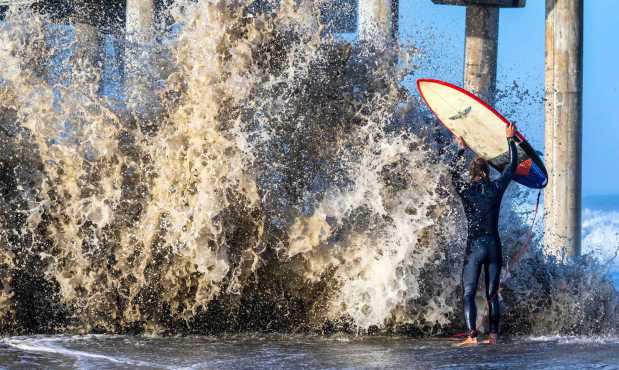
x=460 y=141
x=510 y=130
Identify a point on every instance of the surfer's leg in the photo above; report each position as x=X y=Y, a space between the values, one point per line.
x=492 y=276
x=470 y=275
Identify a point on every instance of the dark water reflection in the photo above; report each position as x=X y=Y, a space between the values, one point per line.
x=286 y=352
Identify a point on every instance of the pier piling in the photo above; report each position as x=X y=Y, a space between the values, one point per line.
x=481 y=43
x=139 y=92
x=563 y=128
x=378 y=22
x=480 y=50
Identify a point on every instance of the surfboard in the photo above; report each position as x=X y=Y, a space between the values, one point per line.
x=483 y=129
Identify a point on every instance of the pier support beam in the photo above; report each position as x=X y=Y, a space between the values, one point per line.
x=481 y=43
x=480 y=51
x=378 y=22
x=563 y=131
x=139 y=88
x=140 y=18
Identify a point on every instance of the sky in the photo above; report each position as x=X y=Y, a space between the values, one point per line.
x=438 y=31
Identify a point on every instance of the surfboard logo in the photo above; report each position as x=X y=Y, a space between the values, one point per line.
x=461 y=114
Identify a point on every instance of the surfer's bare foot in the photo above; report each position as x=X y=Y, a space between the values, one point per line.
x=470 y=341
x=491 y=340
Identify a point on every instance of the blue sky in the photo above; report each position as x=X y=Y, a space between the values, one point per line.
x=439 y=32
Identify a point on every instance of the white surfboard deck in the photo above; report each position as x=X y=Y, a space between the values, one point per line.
x=465 y=115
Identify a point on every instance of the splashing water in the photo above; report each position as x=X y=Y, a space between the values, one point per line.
x=260 y=177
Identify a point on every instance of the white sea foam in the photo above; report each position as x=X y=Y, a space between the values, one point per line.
x=56 y=346
x=600 y=235
x=571 y=339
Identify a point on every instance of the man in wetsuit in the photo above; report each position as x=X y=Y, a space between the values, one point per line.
x=481 y=198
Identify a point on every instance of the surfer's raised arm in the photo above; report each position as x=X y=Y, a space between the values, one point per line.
x=510 y=169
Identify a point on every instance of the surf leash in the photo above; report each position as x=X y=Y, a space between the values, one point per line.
x=525 y=246
x=520 y=252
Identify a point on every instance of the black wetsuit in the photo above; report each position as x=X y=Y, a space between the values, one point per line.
x=482 y=202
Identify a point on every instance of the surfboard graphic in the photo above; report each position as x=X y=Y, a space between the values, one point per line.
x=483 y=129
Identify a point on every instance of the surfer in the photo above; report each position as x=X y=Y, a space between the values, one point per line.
x=481 y=198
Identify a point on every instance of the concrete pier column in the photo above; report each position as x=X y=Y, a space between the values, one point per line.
x=563 y=130
x=139 y=70
x=140 y=19
x=378 y=22
x=480 y=50
x=481 y=43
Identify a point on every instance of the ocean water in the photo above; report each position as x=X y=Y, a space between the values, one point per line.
x=601 y=202
x=298 y=352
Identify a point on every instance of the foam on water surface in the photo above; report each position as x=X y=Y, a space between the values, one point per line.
x=304 y=352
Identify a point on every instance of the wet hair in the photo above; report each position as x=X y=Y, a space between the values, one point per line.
x=478 y=169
